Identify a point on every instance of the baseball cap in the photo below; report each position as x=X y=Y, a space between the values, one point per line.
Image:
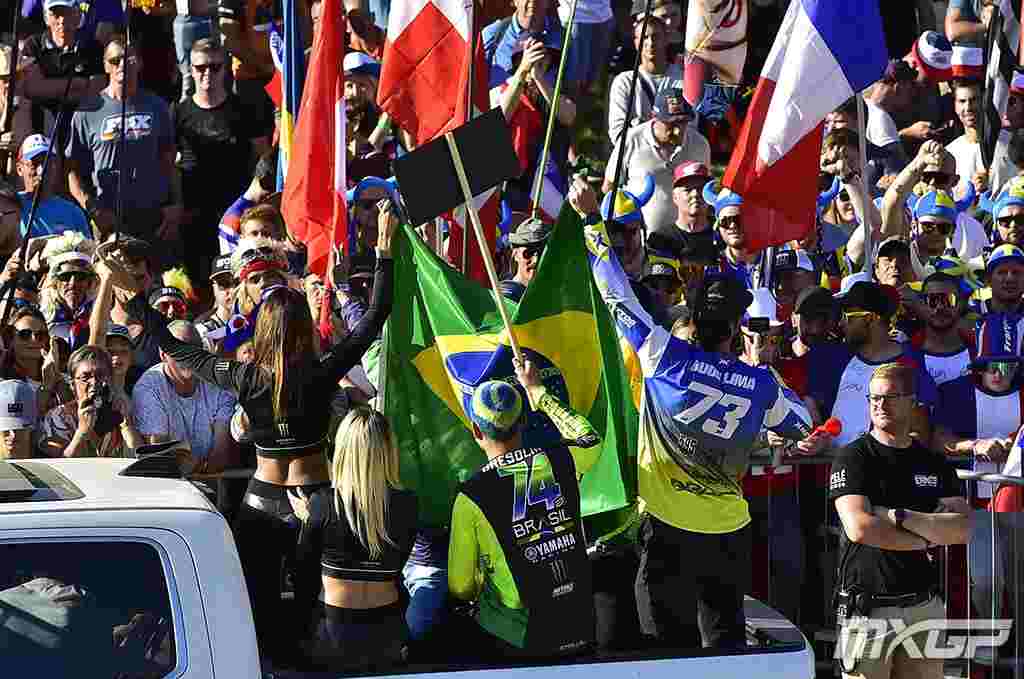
x=670 y=106
x=221 y=266
x=690 y=168
x=115 y=330
x=815 y=300
x=495 y=408
x=530 y=232
x=893 y=246
x=640 y=6
x=934 y=55
x=723 y=298
x=33 y=146
x=869 y=296
x=358 y=63
x=1007 y=252
x=793 y=260
x=166 y=291
x=49 y=4
x=362 y=267
x=19 y=408
x=659 y=269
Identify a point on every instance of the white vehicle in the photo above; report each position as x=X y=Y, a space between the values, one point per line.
x=105 y=573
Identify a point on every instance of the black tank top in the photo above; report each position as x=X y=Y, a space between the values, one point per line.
x=296 y=434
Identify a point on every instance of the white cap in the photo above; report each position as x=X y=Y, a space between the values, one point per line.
x=19 y=408
x=853 y=279
x=34 y=145
x=763 y=306
x=360 y=63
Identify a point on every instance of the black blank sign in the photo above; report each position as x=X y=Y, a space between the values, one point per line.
x=426 y=177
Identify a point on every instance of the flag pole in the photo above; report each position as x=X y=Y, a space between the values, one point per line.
x=478 y=229
x=538 y=184
x=12 y=82
x=632 y=101
x=471 y=12
x=862 y=122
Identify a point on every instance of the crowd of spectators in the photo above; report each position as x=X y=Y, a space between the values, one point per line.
x=169 y=138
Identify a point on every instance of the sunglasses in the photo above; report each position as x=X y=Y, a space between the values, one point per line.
x=116 y=61
x=844 y=196
x=27 y=334
x=170 y=305
x=942 y=178
x=1011 y=221
x=940 y=300
x=213 y=67
x=76 y=276
x=1003 y=368
x=726 y=222
x=945 y=228
x=531 y=251
x=763 y=338
x=879 y=399
x=258 y=253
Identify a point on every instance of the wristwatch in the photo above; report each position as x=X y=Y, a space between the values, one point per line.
x=900 y=515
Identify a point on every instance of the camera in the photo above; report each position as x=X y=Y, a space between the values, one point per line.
x=107 y=419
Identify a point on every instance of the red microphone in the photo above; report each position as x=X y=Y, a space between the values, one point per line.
x=833 y=426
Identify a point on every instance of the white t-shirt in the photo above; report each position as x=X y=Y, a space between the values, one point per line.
x=851 y=405
x=160 y=410
x=997 y=416
x=968 y=159
x=881 y=128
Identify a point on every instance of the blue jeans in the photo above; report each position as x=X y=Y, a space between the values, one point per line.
x=428 y=590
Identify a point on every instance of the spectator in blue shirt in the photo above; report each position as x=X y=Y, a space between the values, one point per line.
x=55 y=215
x=532 y=18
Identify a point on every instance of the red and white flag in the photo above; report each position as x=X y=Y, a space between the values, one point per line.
x=422 y=78
x=313 y=203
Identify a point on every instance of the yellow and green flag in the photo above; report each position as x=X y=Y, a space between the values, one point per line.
x=445 y=336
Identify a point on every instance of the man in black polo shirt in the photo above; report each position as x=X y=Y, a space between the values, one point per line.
x=51 y=58
x=895 y=499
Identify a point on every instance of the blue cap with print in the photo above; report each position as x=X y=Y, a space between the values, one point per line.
x=1012 y=196
x=936 y=204
x=1006 y=252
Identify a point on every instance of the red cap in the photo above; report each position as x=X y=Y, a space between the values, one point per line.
x=690 y=168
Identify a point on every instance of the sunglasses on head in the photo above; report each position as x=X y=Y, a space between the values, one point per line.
x=1011 y=221
x=945 y=228
x=942 y=178
x=76 y=276
x=857 y=315
x=27 y=334
x=213 y=67
x=1003 y=368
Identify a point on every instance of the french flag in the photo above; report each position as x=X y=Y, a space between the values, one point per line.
x=825 y=52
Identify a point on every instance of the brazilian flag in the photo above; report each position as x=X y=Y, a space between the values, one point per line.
x=445 y=336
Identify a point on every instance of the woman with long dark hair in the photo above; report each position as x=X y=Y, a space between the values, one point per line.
x=286 y=395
